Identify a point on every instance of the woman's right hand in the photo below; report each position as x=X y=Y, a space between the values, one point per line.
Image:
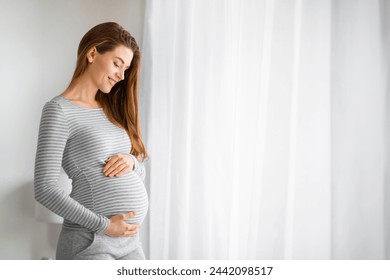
x=119 y=228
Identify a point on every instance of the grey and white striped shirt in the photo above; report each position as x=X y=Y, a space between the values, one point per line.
x=80 y=140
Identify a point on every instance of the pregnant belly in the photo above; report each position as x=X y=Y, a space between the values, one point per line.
x=119 y=195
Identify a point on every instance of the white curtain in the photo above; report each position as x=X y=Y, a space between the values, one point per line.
x=265 y=123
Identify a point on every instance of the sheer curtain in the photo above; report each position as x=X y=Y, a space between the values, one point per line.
x=265 y=124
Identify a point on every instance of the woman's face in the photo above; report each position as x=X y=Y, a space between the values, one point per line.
x=108 y=68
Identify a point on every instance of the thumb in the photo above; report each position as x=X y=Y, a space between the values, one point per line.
x=121 y=217
x=129 y=215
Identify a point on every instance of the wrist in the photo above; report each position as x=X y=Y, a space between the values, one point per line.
x=104 y=228
x=134 y=162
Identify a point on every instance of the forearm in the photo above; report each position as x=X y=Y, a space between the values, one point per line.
x=56 y=200
x=139 y=167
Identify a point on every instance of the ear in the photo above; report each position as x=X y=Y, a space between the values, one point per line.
x=91 y=54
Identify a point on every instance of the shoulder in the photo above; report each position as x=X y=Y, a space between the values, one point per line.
x=53 y=117
x=54 y=108
x=58 y=103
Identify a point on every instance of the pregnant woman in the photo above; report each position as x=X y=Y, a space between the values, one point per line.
x=92 y=130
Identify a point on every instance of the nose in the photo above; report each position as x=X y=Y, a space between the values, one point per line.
x=121 y=74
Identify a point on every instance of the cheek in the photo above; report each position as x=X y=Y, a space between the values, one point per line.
x=100 y=72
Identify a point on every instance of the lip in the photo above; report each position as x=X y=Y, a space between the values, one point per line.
x=112 y=81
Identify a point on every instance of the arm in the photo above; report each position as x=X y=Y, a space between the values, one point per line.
x=53 y=135
x=119 y=164
x=139 y=167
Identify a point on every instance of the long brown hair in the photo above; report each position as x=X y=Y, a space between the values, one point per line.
x=121 y=104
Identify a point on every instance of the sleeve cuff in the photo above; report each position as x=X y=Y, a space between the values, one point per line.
x=104 y=226
x=136 y=163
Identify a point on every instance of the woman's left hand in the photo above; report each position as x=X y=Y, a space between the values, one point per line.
x=117 y=165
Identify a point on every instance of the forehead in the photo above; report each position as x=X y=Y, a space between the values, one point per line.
x=122 y=53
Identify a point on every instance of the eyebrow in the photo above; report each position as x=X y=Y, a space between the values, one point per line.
x=123 y=62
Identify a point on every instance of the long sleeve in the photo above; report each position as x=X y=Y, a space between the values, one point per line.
x=139 y=167
x=53 y=135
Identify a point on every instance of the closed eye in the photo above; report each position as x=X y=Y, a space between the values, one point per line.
x=122 y=61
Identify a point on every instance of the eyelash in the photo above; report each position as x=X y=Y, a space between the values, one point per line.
x=117 y=65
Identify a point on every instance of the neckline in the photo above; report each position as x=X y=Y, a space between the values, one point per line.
x=78 y=106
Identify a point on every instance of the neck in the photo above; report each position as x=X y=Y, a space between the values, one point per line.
x=82 y=90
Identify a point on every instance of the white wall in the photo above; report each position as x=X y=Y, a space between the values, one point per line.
x=38 y=44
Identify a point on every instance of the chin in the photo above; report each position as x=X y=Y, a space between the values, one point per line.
x=105 y=90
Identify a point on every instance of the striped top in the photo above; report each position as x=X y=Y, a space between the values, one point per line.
x=80 y=140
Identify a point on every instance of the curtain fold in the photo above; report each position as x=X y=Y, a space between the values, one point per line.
x=247 y=132
x=358 y=123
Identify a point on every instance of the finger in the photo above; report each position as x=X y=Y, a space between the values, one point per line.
x=133 y=227
x=108 y=166
x=123 y=171
x=110 y=161
x=131 y=232
x=111 y=170
x=118 y=169
x=119 y=217
x=129 y=215
x=113 y=157
x=116 y=157
x=130 y=229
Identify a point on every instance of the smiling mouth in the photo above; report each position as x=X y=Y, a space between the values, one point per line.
x=112 y=81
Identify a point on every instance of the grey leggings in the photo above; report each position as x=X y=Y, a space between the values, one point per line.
x=87 y=245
